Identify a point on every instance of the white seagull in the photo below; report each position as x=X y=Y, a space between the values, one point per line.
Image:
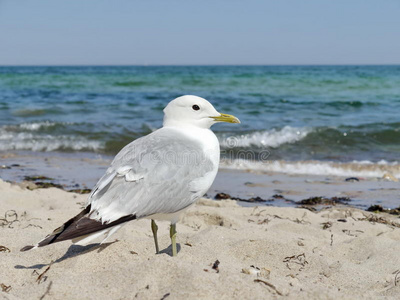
x=157 y=176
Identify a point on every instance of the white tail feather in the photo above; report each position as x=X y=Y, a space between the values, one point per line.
x=86 y=239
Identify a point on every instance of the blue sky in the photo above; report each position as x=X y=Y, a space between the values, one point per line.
x=115 y=32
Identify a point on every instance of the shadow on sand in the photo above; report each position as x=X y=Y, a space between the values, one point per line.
x=168 y=250
x=73 y=251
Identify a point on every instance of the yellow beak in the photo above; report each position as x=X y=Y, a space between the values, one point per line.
x=226 y=118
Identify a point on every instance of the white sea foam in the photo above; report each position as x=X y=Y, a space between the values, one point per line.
x=270 y=138
x=352 y=169
x=39 y=142
x=36 y=125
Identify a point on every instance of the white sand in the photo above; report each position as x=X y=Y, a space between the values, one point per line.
x=356 y=259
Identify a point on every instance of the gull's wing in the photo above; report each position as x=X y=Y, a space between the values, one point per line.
x=163 y=172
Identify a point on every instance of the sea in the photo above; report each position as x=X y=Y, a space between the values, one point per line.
x=321 y=120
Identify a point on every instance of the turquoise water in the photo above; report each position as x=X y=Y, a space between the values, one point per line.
x=296 y=113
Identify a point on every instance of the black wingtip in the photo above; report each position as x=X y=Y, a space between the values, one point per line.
x=26 y=248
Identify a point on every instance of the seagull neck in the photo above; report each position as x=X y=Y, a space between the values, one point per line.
x=183 y=126
x=198 y=133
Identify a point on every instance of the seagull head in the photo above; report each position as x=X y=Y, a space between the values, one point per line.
x=194 y=111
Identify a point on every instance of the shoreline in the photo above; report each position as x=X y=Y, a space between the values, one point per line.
x=277 y=189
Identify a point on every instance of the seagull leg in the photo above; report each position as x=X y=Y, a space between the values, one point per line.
x=172 y=234
x=154 y=228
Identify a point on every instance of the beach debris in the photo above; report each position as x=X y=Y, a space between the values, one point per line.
x=280 y=197
x=269 y=285
x=188 y=244
x=396 y=275
x=133 y=252
x=251 y=271
x=265 y=221
x=389 y=177
x=259 y=272
x=215 y=266
x=310 y=208
x=42 y=275
x=4 y=249
x=380 y=220
x=352 y=179
x=292 y=261
x=5 y=288
x=375 y=208
x=352 y=232
x=10 y=217
x=324 y=201
x=165 y=296
x=253 y=199
x=342 y=220
x=378 y=208
x=331 y=239
x=253 y=213
x=37 y=177
x=46 y=185
x=224 y=196
x=80 y=191
x=30 y=185
x=40 y=182
x=326 y=225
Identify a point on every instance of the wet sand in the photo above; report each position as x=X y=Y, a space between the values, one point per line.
x=74 y=171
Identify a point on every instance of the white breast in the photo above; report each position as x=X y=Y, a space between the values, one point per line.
x=211 y=150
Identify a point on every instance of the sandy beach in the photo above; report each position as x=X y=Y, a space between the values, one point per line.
x=272 y=126
x=263 y=252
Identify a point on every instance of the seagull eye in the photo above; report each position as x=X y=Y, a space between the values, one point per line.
x=195 y=107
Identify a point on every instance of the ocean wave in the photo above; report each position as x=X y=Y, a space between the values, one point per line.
x=325 y=168
x=39 y=142
x=36 y=125
x=270 y=138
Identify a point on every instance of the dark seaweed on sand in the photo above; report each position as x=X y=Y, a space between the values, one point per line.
x=37 y=177
x=379 y=208
x=215 y=265
x=46 y=185
x=380 y=220
x=224 y=196
x=324 y=201
x=80 y=191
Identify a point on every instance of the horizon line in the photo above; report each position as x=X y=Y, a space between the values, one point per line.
x=194 y=65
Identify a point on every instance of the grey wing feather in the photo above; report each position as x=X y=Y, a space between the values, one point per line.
x=163 y=172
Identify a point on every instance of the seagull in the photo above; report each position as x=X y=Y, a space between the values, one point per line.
x=157 y=176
